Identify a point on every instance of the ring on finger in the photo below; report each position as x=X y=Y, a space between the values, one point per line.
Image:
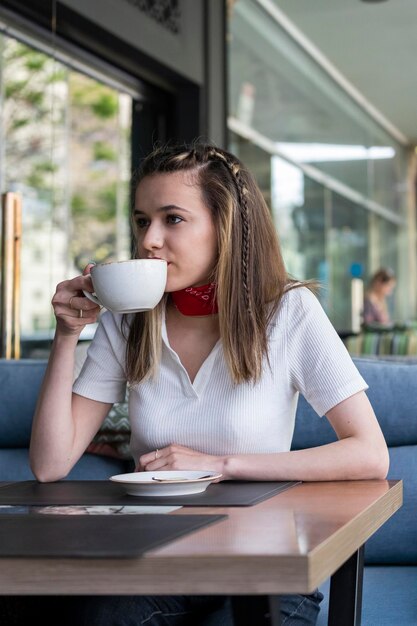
x=80 y=314
x=156 y=454
x=70 y=301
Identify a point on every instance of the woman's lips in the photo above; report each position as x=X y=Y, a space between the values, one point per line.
x=158 y=258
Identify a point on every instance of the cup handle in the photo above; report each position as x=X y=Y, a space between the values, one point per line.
x=92 y=297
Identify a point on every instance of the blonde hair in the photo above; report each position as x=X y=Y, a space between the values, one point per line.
x=250 y=275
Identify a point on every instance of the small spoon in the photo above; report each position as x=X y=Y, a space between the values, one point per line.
x=169 y=480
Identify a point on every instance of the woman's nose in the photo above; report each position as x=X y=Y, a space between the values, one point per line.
x=153 y=238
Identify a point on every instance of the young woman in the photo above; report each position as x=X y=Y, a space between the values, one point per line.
x=215 y=370
x=375 y=310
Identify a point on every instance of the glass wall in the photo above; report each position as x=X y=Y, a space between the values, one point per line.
x=347 y=248
x=336 y=186
x=65 y=147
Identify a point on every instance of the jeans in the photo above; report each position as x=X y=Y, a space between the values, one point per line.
x=296 y=610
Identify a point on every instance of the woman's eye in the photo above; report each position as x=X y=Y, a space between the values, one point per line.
x=173 y=219
x=141 y=222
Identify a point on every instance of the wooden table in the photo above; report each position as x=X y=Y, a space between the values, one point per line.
x=288 y=544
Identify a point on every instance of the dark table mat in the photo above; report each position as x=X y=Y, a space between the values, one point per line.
x=93 y=536
x=230 y=493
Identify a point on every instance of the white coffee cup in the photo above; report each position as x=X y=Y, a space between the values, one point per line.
x=128 y=286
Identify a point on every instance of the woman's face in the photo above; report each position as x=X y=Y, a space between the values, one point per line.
x=173 y=223
x=388 y=287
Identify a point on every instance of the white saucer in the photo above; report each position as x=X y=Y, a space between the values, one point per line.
x=179 y=483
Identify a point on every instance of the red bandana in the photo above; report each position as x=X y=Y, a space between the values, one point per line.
x=196 y=300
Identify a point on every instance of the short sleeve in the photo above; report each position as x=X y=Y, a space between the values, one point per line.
x=103 y=376
x=320 y=367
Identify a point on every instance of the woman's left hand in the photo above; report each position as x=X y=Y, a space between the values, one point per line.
x=175 y=457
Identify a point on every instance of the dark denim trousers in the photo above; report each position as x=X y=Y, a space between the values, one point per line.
x=296 y=610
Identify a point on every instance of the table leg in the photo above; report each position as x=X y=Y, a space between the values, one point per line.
x=345 y=602
x=259 y=610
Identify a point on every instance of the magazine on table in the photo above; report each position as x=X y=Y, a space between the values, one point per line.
x=84 y=509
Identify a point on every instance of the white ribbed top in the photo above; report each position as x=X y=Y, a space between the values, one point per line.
x=212 y=414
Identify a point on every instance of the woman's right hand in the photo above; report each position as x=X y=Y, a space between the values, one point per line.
x=71 y=307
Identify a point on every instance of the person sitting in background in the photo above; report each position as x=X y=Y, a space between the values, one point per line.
x=375 y=302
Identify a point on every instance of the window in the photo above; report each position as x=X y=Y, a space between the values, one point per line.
x=333 y=178
x=65 y=147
